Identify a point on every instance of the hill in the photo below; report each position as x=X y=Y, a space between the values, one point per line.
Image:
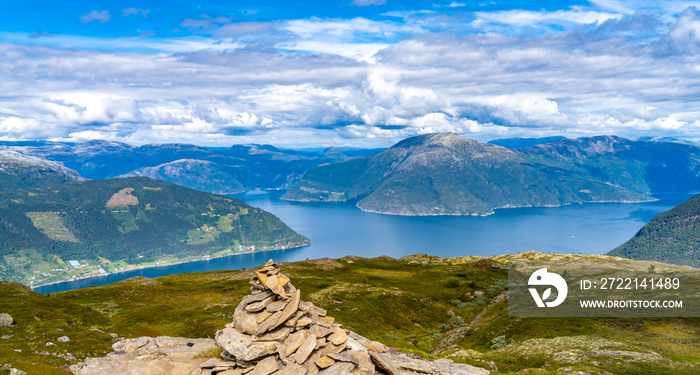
x=670 y=237
x=122 y=223
x=402 y=303
x=445 y=174
x=219 y=170
x=22 y=171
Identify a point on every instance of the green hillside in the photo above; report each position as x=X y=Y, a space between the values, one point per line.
x=671 y=237
x=445 y=174
x=122 y=223
x=402 y=303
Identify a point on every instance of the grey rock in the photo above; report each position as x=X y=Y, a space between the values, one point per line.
x=242 y=346
x=294 y=341
x=320 y=331
x=6 y=320
x=63 y=339
x=364 y=362
x=343 y=357
x=277 y=306
x=305 y=349
x=340 y=368
x=446 y=366
x=411 y=364
x=245 y=321
x=132 y=345
x=384 y=364
x=215 y=362
x=14 y=371
x=355 y=346
x=257 y=306
x=338 y=337
x=277 y=335
x=290 y=309
x=268 y=323
x=265 y=367
x=293 y=369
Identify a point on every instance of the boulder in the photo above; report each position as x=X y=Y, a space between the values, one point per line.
x=6 y=320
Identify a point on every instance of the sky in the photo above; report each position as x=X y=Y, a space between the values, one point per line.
x=352 y=73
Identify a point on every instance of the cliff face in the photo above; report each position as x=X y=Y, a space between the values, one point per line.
x=273 y=332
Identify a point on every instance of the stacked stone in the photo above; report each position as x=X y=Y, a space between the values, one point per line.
x=274 y=332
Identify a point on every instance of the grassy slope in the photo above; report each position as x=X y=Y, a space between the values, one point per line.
x=672 y=236
x=399 y=302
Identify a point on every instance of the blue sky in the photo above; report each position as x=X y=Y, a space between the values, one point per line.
x=361 y=73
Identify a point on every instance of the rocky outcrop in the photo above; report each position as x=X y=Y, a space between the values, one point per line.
x=6 y=320
x=273 y=332
x=149 y=356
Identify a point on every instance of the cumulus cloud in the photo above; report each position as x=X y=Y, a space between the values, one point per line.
x=359 y=81
x=96 y=15
x=204 y=24
x=362 y=3
x=136 y=12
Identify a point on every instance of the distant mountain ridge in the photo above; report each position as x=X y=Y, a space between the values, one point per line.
x=523 y=142
x=224 y=170
x=23 y=171
x=128 y=221
x=445 y=174
x=672 y=237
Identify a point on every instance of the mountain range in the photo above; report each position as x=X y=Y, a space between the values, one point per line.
x=445 y=174
x=219 y=170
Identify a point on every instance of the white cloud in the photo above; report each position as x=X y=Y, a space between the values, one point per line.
x=96 y=15
x=345 y=82
x=362 y=3
x=533 y=18
x=136 y=12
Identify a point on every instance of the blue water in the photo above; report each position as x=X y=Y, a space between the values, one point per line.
x=337 y=230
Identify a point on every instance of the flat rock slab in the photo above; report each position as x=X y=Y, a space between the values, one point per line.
x=340 y=368
x=149 y=356
x=265 y=367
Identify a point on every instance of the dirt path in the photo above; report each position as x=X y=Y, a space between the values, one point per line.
x=454 y=334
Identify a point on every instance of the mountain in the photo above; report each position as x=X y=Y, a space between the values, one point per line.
x=235 y=169
x=445 y=174
x=22 y=171
x=121 y=223
x=523 y=142
x=202 y=175
x=671 y=237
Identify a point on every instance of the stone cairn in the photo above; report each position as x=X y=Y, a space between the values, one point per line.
x=274 y=332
